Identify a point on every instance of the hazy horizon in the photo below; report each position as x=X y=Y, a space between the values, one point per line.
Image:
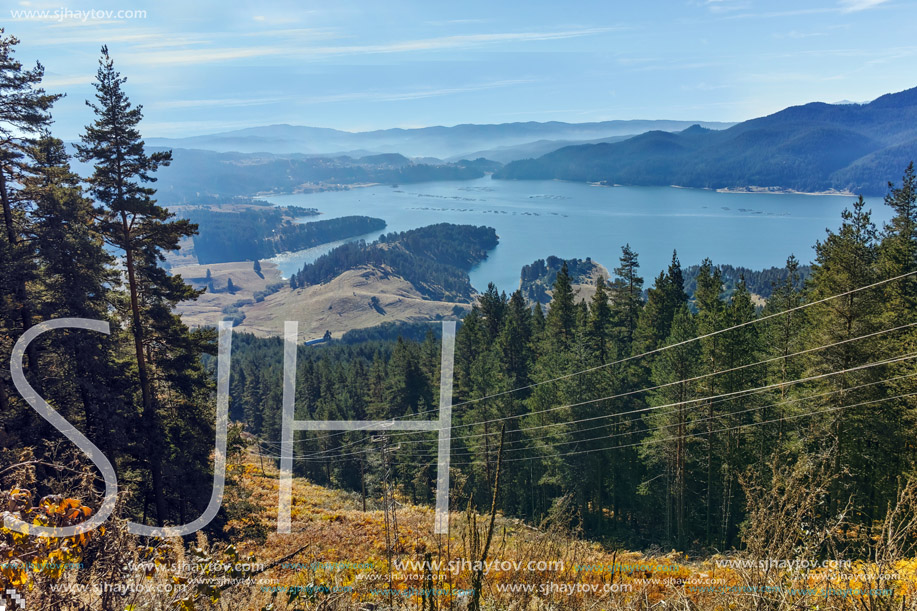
x=207 y=68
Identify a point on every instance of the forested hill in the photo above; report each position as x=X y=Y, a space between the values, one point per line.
x=537 y=278
x=251 y=234
x=718 y=418
x=815 y=147
x=205 y=173
x=760 y=282
x=435 y=141
x=435 y=259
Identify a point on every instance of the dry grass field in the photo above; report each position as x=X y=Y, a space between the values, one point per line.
x=337 y=306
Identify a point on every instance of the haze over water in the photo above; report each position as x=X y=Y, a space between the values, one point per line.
x=535 y=219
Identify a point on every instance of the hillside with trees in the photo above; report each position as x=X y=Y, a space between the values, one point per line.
x=435 y=259
x=97 y=254
x=707 y=433
x=198 y=173
x=809 y=148
x=758 y=282
x=706 y=412
x=261 y=233
x=537 y=278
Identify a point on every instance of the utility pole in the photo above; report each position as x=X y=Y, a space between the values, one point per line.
x=389 y=507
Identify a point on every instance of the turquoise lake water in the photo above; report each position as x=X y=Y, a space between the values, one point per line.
x=535 y=219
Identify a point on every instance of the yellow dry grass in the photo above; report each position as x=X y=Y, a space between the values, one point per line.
x=584 y=575
x=337 y=306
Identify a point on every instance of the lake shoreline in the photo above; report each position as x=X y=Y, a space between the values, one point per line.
x=535 y=219
x=779 y=191
x=750 y=189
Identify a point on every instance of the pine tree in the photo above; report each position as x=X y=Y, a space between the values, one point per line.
x=710 y=318
x=24 y=115
x=141 y=230
x=740 y=347
x=782 y=336
x=537 y=320
x=783 y=331
x=898 y=256
x=899 y=246
x=407 y=389
x=493 y=309
x=664 y=300
x=627 y=294
x=75 y=275
x=669 y=448
x=515 y=340
x=560 y=321
x=847 y=260
x=598 y=328
x=257 y=267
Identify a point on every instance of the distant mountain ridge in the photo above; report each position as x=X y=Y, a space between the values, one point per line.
x=438 y=141
x=198 y=175
x=810 y=148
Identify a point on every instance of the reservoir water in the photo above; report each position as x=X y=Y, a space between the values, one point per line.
x=535 y=219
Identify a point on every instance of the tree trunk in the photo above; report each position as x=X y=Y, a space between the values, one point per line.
x=149 y=411
x=7 y=208
x=25 y=313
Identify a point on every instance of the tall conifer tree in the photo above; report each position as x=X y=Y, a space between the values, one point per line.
x=141 y=231
x=25 y=114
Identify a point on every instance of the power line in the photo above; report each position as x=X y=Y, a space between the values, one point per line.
x=724 y=396
x=693 y=435
x=311 y=457
x=723 y=430
x=654 y=351
x=698 y=420
x=688 y=341
x=729 y=394
x=631 y=421
x=657 y=387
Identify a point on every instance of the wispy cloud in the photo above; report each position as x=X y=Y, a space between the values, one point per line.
x=280 y=19
x=705 y=87
x=851 y=6
x=726 y=6
x=312 y=33
x=795 y=34
x=60 y=82
x=445 y=22
x=201 y=56
x=354 y=96
x=844 y=6
x=97 y=34
x=221 y=102
x=788 y=13
x=416 y=94
x=462 y=41
x=162 y=42
x=204 y=56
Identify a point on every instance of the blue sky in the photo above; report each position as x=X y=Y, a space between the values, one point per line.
x=204 y=67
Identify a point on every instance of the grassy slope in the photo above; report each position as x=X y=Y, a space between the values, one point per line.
x=206 y=310
x=332 y=527
x=344 y=304
x=337 y=306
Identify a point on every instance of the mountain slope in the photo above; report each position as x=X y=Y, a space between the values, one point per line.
x=813 y=147
x=197 y=174
x=437 y=141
